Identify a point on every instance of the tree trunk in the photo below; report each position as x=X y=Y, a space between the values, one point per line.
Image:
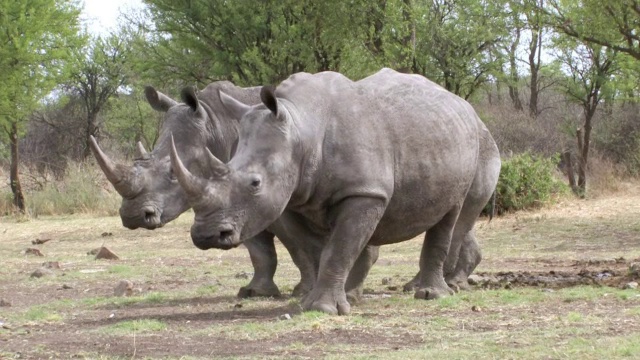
x=14 y=179
x=92 y=129
x=534 y=67
x=583 y=143
x=514 y=92
x=570 y=172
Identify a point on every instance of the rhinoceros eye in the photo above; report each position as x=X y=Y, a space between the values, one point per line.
x=256 y=183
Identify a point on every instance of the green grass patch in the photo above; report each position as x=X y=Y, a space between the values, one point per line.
x=135 y=326
x=41 y=314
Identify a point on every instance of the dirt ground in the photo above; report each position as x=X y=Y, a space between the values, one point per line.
x=548 y=279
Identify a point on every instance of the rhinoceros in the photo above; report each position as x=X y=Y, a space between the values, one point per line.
x=372 y=162
x=152 y=196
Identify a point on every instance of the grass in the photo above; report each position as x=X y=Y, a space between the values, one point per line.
x=134 y=326
x=185 y=302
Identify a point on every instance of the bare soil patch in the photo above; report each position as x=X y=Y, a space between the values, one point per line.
x=550 y=283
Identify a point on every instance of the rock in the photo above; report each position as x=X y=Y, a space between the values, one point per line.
x=66 y=287
x=105 y=253
x=39 y=241
x=124 y=288
x=243 y=275
x=42 y=272
x=632 y=285
x=285 y=317
x=475 y=279
x=4 y=303
x=392 y=288
x=33 y=251
x=105 y=234
x=386 y=281
x=476 y=308
x=51 y=265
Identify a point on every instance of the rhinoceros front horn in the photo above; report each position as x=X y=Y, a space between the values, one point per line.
x=116 y=173
x=192 y=185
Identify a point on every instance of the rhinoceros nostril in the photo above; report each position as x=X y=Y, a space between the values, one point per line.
x=149 y=214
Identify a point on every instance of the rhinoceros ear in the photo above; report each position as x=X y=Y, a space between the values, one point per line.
x=268 y=97
x=158 y=100
x=235 y=107
x=188 y=95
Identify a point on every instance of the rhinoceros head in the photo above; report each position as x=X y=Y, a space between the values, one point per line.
x=151 y=194
x=249 y=193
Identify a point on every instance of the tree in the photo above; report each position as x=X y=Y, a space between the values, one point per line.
x=590 y=69
x=612 y=24
x=35 y=43
x=99 y=71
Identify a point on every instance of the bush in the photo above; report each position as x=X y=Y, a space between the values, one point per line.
x=527 y=181
x=83 y=189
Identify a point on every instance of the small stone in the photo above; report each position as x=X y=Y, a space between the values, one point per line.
x=66 y=287
x=105 y=234
x=111 y=316
x=237 y=306
x=33 y=251
x=392 y=288
x=124 y=288
x=474 y=279
x=105 y=253
x=285 y=317
x=51 y=265
x=39 y=241
x=386 y=281
x=42 y=272
x=632 y=285
x=476 y=308
x=242 y=275
x=4 y=303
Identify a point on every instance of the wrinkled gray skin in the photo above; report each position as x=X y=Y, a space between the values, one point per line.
x=152 y=196
x=373 y=162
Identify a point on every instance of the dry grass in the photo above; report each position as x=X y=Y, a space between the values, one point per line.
x=184 y=301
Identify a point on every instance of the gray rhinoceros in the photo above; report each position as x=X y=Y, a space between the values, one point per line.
x=372 y=162
x=152 y=196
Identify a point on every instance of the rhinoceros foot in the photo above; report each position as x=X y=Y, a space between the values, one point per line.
x=330 y=302
x=354 y=296
x=412 y=285
x=301 y=289
x=259 y=290
x=458 y=283
x=430 y=293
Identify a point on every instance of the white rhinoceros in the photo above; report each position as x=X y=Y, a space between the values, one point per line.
x=372 y=162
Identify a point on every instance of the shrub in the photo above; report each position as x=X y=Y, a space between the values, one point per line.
x=527 y=181
x=83 y=189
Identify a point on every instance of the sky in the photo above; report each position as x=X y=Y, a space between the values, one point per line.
x=101 y=16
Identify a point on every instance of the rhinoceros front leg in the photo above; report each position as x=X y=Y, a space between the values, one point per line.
x=265 y=260
x=355 y=220
x=432 y=258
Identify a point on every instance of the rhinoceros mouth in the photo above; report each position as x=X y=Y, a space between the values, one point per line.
x=227 y=239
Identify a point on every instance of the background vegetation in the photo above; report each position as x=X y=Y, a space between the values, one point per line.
x=552 y=78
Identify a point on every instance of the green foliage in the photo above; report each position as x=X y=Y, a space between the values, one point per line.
x=527 y=181
x=35 y=44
